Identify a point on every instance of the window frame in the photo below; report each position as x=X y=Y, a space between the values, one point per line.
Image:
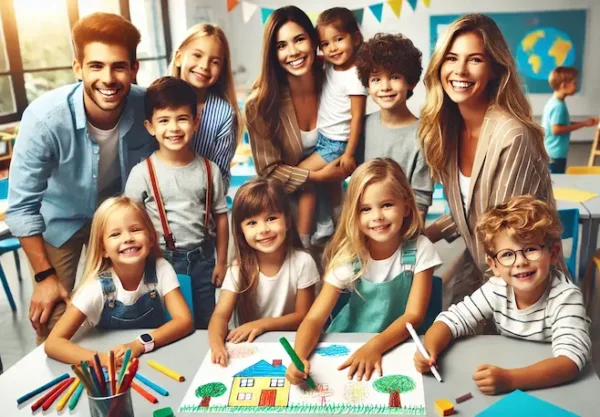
x=15 y=61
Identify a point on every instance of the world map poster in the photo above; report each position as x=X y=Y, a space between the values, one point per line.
x=539 y=41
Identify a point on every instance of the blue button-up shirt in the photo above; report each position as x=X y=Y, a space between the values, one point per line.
x=53 y=187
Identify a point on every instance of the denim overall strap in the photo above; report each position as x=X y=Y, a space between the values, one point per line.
x=108 y=287
x=374 y=306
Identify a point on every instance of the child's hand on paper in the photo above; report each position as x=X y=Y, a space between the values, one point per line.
x=218 y=354
x=492 y=379
x=136 y=351
x=295 y=376
x=363 y=362
x=423 y=365
x=248 y=331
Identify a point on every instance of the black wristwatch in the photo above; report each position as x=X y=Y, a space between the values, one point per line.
x=42 y=275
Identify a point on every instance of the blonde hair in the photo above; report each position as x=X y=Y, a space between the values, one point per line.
x=224 y=87
x=561 y=75
x=95 y=262
x=439 y=116
x=253 y=198
x=349 y=244
x=524 y=218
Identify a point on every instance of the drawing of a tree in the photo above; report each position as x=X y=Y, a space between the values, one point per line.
x=394 y=385
x=355 y=392
x=207 y=391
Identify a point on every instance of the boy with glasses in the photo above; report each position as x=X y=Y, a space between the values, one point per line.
x=528 y=298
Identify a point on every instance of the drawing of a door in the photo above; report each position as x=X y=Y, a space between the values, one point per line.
x=267 y=397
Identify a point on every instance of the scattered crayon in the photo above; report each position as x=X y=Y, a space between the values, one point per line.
x=144 y=393
x=63 y=401
x=75 y=397
x=46 y=405
x=168 y=372
x=44 y=387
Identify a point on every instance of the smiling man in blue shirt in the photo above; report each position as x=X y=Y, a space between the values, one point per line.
x=76 y=147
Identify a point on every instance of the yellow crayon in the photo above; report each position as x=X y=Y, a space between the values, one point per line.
x=63 y=401
x=168 y=372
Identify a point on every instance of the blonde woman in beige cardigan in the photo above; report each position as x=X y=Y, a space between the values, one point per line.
x=479 y=139
x=281 y=112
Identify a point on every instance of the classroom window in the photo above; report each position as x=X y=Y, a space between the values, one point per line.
x=246 y=382
x=7 y=97
x=277 y=382
x=91 y=6
x=244 y=396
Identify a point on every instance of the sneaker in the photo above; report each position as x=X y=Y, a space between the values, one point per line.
x=324 y=231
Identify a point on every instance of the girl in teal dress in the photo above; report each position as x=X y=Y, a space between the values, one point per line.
x=379 y=256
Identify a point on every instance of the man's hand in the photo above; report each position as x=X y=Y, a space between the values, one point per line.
x=43 y=300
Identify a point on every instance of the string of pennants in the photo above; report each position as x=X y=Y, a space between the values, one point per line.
x=249 y=9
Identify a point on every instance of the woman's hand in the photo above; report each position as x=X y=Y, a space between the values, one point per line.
x=363 y=362
x=332 y=172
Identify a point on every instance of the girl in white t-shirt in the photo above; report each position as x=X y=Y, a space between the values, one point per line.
x=341 y=107
x=380 y=257
x=127 y=285
x=270 y=285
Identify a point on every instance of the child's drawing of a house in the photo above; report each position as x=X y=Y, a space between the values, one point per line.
x=260 y=385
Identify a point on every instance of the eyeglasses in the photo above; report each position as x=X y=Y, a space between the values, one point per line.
x=508 y=257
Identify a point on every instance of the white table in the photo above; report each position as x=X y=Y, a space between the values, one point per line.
x=185 y=356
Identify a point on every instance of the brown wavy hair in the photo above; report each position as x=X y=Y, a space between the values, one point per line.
x=394 y=54
x=525 y=219
x=264 y=101
x=440 y=116
x=253 y=198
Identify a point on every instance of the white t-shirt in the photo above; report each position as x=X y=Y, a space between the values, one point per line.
x=464 y=183
x=334 y=116
x=109 y=169
x=386 y=269
x=90 y=299
x=309 y=139
x=276 y=295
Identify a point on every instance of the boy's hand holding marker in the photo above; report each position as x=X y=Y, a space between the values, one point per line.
x=295 y=376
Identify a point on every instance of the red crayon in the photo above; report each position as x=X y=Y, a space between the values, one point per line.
x=131 y=371
x=144 y=393
x=43 y=399
x=54 y=396
x=111 y=373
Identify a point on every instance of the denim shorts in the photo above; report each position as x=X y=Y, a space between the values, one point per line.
x=330 y=149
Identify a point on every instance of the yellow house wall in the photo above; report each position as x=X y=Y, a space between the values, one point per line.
x=281 y=397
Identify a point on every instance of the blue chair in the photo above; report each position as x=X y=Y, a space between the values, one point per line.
x=10 y=244
x=438 y=195
x=185 y=285
x=570 y=223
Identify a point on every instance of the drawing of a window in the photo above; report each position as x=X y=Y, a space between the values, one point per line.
x=244 y=396
x=247 y=382
x=277 y=382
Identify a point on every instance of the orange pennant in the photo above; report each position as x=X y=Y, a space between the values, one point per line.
x=231 y=4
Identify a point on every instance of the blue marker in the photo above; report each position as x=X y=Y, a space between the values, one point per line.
x=42 y=388
x=152 y=385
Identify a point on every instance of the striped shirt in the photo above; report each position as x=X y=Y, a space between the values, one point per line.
x=558 y=316
x=215 y=138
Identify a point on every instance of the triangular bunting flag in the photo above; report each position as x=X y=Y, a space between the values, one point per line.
x=426 y=3
x=377 y=10
x=413 y=4
x=231 y=4
x=265 y=13
x=248 y=10
x=313 y=16
x=358 y=14
x=396 y=6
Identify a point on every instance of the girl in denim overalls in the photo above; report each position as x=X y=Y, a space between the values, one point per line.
x=127 y=286
x=379 y=256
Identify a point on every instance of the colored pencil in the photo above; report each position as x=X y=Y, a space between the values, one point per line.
x=95 y=382
x=85 y=368
x=44 y=387
x=294 y=356
x=63 y=401
x=100 y=375
x=46 y=405
x=124 y=366
x=75 y=397
x=144 y=393
x=43 y=399
x=129 y=377
x=84 y=380
x=111 y=373
x=152 y=385
x=168 y=372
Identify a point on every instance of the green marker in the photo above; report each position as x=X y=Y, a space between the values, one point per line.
x=290 y=351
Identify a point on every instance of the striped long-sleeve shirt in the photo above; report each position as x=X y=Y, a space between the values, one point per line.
x=558 y=316
x=215 y=138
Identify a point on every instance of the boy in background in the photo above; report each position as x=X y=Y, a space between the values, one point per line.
x=389 y=66
x=183 y=182
x=556 y=120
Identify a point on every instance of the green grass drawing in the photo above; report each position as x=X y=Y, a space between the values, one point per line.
x=309 y=409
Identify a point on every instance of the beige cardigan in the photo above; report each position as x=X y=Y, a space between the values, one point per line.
x=507 y=163
x=279 y=158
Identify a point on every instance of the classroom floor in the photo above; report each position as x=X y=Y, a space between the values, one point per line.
x=18 y=338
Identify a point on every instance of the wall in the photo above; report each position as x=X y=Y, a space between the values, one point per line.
x=246 y=38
